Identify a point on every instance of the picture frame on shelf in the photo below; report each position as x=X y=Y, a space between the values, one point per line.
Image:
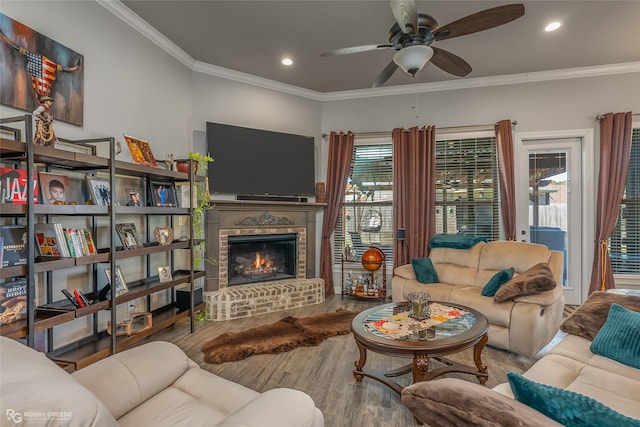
x=120 y=285
x=163 y=235
x=100 y=190
x=134 y=197
x=164 y=274
x=140 y=151
x=129 y=236
x=54 y=188
x=163 y=194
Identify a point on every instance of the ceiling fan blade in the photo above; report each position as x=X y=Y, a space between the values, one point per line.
x=356 y=49
x=385 y=74
x=480 y=21
x=406 y=15
x=449 y=62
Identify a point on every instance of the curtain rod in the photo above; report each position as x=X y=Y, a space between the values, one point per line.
x=601 y=116
x=450 y=129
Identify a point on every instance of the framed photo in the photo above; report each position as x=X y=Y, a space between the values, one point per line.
x=135 y=197
x=54 y=188
x=164 y=273
x=140 y=151
x=100 y=190
x=129 y=236
x=163 y=235
x=121 y=285
x=163 y=194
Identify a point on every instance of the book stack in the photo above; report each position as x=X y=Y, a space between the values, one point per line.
x=57 y=241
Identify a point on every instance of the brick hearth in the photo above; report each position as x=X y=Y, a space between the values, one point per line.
x=261 y=298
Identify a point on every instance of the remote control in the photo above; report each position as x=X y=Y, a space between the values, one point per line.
x=71 y=298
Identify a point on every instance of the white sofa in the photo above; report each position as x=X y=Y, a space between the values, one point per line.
x=155 y=384
x=570 y=365
x=524 y=325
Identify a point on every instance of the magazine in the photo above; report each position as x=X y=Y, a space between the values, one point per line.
x=13 y=186
x=14 y=241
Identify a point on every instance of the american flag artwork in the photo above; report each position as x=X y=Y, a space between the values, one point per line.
x=43 y=72
x=33 y=65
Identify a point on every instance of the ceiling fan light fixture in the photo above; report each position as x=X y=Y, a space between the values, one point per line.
x=412 y=58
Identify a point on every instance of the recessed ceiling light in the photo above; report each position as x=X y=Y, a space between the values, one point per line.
x=287 y=61
x=553 y=26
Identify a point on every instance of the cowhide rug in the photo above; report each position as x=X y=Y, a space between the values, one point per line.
x=283 y=335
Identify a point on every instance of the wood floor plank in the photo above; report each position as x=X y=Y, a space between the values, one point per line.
x=325 y=371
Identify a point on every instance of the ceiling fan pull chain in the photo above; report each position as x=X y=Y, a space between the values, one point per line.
x=417 y=104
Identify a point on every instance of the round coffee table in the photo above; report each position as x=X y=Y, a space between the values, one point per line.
x=389 y=330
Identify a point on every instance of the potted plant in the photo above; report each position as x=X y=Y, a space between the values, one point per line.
x=203 y=204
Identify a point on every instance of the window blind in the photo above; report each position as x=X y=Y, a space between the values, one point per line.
x=467 y=195
x=366 y=218
x=624 y=244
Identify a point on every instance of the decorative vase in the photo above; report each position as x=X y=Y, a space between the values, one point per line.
x=184 y=166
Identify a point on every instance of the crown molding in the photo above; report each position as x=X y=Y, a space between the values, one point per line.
x=133 y=20
x=477 y=82
x=226 y=73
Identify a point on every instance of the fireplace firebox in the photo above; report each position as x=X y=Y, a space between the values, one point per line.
x=262 y=258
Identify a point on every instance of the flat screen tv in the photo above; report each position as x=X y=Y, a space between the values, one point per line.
x=260 y=162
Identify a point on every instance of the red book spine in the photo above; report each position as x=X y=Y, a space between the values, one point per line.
x=75 y=294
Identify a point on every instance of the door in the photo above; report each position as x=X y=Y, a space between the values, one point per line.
x=549 y=197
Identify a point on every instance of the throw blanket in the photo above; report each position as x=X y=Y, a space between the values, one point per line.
x=455 y=241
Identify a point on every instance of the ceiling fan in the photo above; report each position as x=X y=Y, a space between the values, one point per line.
x=414 y=33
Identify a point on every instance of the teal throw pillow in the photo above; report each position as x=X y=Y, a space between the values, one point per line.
x=498 y=279
x=425 y=272
x=619 y=337
x=566 y=407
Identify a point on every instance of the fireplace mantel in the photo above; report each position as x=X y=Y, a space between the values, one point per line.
x=250 y=216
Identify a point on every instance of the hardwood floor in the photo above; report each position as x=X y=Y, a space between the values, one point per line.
x=325 y=371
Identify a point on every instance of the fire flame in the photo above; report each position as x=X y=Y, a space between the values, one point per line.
x=262 y=263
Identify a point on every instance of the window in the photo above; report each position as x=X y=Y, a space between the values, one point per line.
x=624 y=244
x=366 y=217
x=467 y=195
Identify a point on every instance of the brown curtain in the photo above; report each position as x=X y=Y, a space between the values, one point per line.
x=615 y=149
x=506 y=174
x=340 y=155
x=414 y=191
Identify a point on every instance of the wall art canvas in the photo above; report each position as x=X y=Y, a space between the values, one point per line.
x=34 y=66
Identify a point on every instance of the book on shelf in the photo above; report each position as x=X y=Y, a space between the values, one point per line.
x=80 y=242
x=182 y=190
x=14 y=245
x=13 y=300
x=13 y=186
x=91 y=246
x=49 y=240
x=57 y=241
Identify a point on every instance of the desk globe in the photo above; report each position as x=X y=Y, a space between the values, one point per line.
x=372 y=259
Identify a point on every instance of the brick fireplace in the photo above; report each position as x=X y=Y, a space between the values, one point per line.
x=255 y=242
